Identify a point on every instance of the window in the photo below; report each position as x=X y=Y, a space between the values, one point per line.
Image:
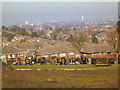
x=109 y=52
x=102 y=53
x=93 y=54
x=71 y=53
x=20 y=54
x=62 y=54
x=10 y=55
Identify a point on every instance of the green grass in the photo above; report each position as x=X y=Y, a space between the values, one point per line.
x=81 y=66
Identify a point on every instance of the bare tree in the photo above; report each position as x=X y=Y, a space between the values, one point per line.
x=78 y=40
x=118 y=30
x=112 y=36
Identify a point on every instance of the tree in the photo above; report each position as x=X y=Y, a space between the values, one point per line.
x=118 y=30
x=23 y=32
x=112 y=36
x=54 y=36
x=9 y=36
x=14 y=28
x=34 y=34
x=41 y=33
x=94 y=39
x=77 y=41
x=18 y=30
x=4 y=28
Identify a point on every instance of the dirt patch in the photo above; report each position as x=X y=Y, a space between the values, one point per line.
x=51 y=81
x=82 y=76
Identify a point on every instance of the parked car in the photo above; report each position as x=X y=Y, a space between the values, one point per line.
x=27 y=62
x=42 y=60
x=103 y=62
x=16 y=61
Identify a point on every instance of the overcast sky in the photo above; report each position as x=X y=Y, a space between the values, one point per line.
x=16 y=13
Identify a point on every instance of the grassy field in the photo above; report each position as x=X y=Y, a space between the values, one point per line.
x=103 y=77
x=81 y=66
x=61 y=79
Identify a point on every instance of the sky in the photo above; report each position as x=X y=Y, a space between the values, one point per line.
x=60 y=0
x=18 y=12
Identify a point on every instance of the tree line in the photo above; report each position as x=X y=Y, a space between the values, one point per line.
x=10 y=32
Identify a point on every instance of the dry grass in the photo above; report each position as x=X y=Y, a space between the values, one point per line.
x=100 y=78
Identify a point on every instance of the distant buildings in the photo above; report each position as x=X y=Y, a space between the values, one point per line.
x=82 y=19
x=26 y=22
x=69 y=25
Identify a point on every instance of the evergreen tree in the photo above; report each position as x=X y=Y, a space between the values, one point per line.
x=34 y=34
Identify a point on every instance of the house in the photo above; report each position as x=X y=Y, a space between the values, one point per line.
x=20 y=55
x=57 y=50
x=10 y=52
x=91 y=50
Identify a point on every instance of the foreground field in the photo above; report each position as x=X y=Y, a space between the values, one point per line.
x=99 y=78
